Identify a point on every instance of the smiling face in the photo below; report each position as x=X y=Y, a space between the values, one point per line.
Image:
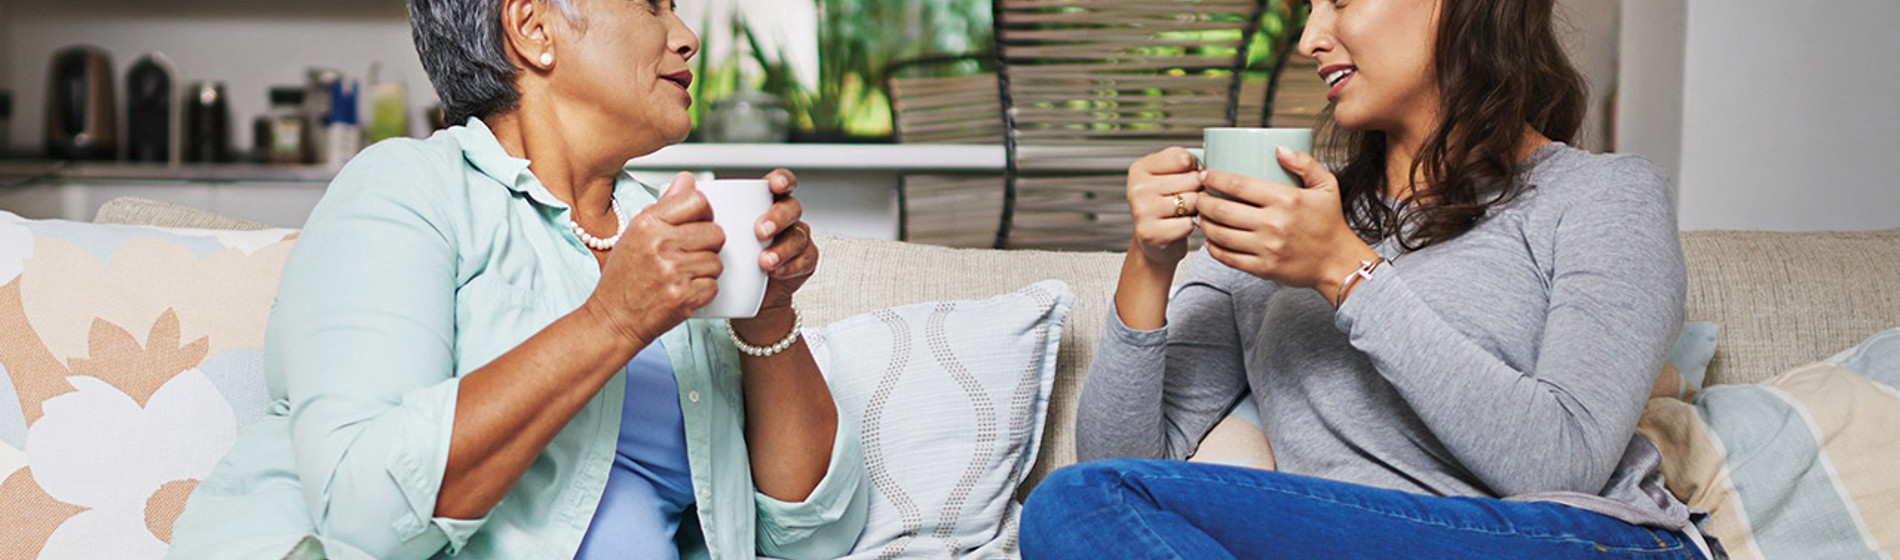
x=629 y=64
x=1377 y=57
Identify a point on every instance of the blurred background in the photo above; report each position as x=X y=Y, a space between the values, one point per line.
x=1769 y=115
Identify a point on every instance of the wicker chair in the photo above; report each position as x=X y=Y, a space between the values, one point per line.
x=1088 y=86
x=931 y=104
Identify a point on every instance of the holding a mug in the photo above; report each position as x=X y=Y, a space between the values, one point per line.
x=1449 y=339
x=1264 y=203
x=486 y=343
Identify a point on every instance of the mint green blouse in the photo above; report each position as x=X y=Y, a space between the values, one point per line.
x=424 y=261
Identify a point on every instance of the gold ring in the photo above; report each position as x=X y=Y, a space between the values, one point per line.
x=1180 y=206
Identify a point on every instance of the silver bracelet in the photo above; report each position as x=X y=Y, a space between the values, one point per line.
x=798 y=322
x=1364 y=272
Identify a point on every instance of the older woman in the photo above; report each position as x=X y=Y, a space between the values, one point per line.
x=481 y=346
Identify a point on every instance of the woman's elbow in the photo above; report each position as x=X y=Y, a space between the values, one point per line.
x=1580 y=471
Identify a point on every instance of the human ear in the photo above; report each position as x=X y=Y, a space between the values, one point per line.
x=524 y=26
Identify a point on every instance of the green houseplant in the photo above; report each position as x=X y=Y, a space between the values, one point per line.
x=858 y=40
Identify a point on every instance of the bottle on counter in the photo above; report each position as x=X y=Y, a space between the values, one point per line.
x=282 y=135
x=207 y=127
x=388 y=106
x=6 y=121
x=316 y=103
x=343 y=135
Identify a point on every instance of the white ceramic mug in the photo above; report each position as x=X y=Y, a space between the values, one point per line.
x=737 y=205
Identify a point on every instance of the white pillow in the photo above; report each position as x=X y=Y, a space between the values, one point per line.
x=950 y=399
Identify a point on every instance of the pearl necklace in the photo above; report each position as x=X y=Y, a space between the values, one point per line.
x=596 y=243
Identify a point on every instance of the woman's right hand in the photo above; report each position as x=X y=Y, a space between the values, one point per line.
x=665 y=266
x=1162 y=188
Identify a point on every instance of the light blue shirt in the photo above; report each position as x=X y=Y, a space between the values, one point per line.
x=651 y=485
x=424 y=261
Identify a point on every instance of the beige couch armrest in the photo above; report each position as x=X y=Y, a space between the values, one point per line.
x=144 y=212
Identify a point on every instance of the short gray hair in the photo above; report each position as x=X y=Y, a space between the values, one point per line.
x=465 y=52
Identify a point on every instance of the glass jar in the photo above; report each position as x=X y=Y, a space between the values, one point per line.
x=748 y=116
x=282 y=134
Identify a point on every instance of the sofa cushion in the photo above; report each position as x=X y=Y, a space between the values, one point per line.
x=1784 y=298
x=1781 y=298
x=858 y=275
x=129 y=358
x=1796 y=467
x=142 y=212
x=950 y=400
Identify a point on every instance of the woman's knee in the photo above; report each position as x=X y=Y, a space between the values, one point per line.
x=1083 y=488
x=1051 y=516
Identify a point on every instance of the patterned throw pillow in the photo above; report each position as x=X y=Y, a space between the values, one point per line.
x=1241 y=441
x=1796 y=467
x=129 y=359
x=950 y=399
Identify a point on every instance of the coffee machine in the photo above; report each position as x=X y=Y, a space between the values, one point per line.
x=150 y=113
x=81 y=109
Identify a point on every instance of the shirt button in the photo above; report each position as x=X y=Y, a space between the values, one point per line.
x=692 y=396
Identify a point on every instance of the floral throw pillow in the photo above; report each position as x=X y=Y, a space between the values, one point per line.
x=129 y=359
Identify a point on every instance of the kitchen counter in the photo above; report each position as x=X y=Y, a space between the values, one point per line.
x=884 y=158
x=848 y=189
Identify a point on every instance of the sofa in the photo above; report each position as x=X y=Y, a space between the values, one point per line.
x=1780 y=299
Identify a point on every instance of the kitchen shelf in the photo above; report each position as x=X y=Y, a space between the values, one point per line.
x=887 y=158
x=42 y=170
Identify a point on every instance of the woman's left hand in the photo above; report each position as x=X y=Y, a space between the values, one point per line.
x=789 y=257
x=1293 y=236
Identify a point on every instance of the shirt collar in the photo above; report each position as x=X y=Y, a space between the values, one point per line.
x=485 y=153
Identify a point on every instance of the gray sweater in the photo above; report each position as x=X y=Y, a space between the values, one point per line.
x=1512 y=361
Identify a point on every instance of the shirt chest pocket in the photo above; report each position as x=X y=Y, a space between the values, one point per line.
x=494 y=315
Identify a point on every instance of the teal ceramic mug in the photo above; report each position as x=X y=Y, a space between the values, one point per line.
x=1250 y=152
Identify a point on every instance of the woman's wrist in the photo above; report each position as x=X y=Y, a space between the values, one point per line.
x=770 y=324
x=1141 y=294
x=1333 y=276
x=597 y=319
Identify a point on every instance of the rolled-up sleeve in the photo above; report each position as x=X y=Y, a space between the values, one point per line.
x=362 y=334
x=826 y=523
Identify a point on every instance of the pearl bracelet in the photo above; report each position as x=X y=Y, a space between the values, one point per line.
x=798 y=322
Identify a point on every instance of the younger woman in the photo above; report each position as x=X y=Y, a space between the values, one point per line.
x=1450 y=340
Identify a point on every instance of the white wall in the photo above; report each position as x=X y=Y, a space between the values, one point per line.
x=254 y=44
x=1790 y=114
x=249 y=45
x=1770 y=114
x=1648 y=118
x=1588 y=29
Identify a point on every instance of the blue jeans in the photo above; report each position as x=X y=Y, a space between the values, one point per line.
x=1135 y=509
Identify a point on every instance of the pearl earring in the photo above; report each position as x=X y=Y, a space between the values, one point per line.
x=547 y=59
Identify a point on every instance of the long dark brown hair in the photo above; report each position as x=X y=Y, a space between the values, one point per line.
x=1499 y=67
